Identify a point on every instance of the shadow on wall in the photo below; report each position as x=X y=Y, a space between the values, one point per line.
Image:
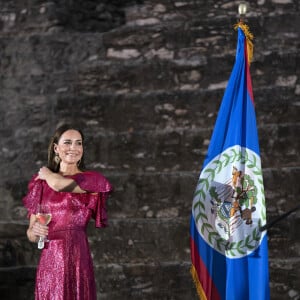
x=87 y=15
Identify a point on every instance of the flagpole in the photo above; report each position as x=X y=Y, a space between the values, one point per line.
x=222 y=241
x=276 y=220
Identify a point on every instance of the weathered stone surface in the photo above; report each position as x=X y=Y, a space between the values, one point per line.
x=17 y=283
x=145 y=80
x=157 y=280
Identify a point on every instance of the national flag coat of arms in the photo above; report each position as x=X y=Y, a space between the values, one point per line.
x=229 y=252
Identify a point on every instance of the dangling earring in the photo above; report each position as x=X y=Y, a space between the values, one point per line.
x=57 y=158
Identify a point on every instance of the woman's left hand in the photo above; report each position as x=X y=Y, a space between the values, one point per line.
x=43 y=173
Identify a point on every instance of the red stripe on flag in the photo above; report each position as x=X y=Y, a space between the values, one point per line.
x=204 y=278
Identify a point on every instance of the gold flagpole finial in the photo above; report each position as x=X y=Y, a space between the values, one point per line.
x=243 y=8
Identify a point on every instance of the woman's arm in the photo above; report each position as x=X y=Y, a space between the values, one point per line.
x=58 y=182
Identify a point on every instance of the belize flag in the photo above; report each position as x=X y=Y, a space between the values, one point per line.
x=229 y=253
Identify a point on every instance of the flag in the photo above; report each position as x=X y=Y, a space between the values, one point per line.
x=229 y=253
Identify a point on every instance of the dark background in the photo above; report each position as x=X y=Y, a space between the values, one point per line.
x=144 y=80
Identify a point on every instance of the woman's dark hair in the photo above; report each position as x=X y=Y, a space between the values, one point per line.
x=52 y=164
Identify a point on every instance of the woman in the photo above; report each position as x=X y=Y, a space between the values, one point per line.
x=73 y=196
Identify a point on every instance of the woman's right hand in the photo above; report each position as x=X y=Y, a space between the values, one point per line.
x=39 y=229
x=36 y=230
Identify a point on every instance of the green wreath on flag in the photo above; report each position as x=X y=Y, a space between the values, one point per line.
x=250 y=242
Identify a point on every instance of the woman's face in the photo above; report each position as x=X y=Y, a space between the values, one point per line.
x=69 y=147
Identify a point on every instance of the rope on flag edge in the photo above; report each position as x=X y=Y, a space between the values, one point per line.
x=197 y=283
x=249 y=38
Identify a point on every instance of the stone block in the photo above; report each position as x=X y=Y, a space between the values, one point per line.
x=158 y=280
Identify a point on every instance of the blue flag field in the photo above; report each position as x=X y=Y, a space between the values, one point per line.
x=229 y=253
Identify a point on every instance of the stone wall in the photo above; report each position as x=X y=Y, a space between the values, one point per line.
x=144 y=79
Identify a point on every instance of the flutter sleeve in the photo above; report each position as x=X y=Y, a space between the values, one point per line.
x=33 y=196
x=99 y=188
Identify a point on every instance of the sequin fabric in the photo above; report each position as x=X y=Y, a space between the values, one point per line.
x=65 y=269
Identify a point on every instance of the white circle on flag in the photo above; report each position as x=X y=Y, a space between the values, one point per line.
x=229 y=203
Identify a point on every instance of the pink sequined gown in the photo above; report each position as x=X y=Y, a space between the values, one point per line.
x=65 y=270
